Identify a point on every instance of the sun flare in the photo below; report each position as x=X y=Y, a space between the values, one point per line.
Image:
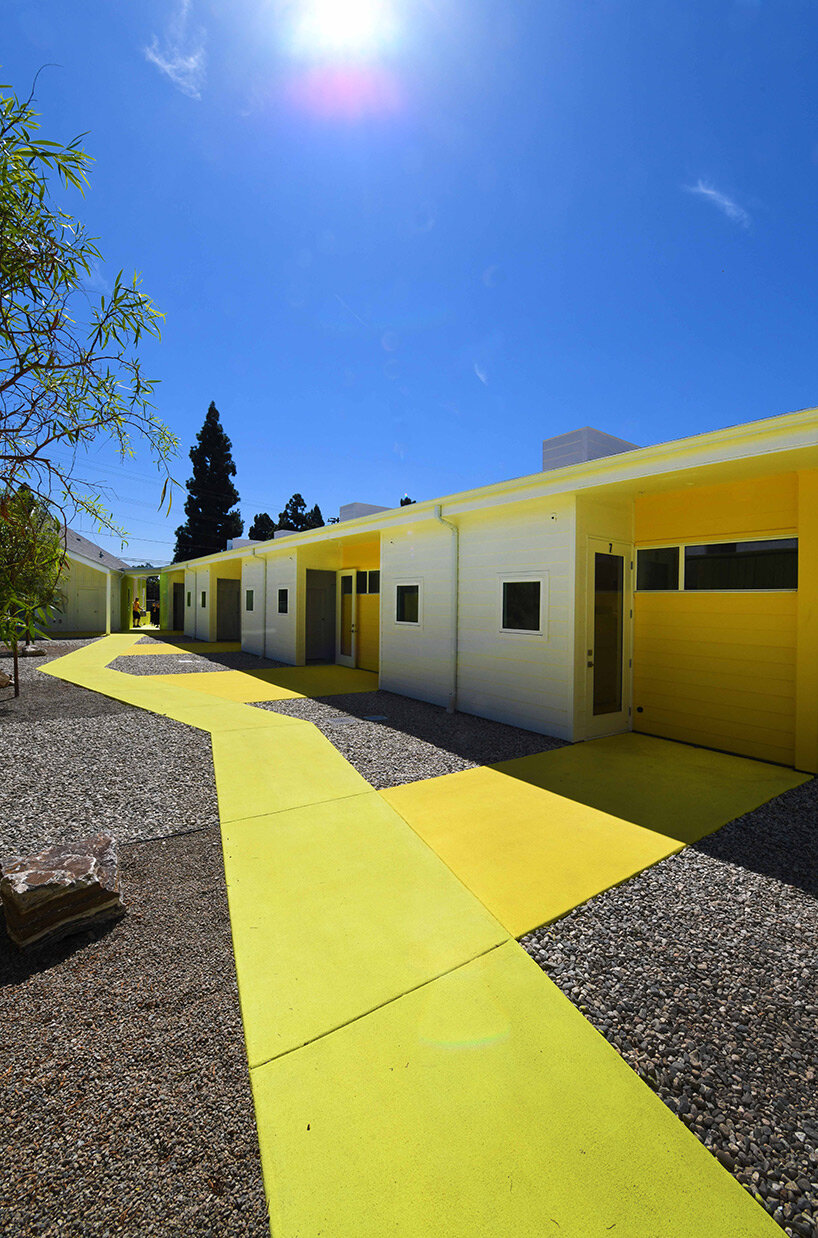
x=344 y=27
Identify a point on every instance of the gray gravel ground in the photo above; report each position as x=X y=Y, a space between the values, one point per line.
x=79 y=763
x=701 y=972
x=126 y=1106
x=186 y=662
x=416 y=741
x=42 y=697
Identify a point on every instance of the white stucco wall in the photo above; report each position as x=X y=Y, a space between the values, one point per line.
x=416 y=659
x=253 y=622
x=280 y=630
x=192 y=609
x=204 y=613
x=522 y=678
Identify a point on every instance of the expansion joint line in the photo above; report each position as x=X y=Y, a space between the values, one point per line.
x=381 y=1005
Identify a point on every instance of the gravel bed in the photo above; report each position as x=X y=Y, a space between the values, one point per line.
x=701 y=972
x=416 y=741
x=126 y=1108
x=42 y=697
x=184 y=662
x=136 y=775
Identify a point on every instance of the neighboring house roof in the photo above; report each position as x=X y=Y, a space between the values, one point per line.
x=76 y=544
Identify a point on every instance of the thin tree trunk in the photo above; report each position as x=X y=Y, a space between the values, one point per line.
x=16 y=666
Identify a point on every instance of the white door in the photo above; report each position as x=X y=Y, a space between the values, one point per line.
x=346 y=639
x=608 y=624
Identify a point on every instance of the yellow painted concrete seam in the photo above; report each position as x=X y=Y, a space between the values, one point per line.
x=383 y=1005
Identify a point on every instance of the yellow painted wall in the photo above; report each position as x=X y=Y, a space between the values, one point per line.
x=366 y=556
x=806 y=744
x=715 y=513
x=717 y=669
x=369 y=629
x=720 y=668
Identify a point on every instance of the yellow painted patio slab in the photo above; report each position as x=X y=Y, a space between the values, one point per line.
x=483 y=1104
x=529 y=855
x=276 y=768
x=337 y=908
x=154 y=647
x=228 y=685
x=673 y=788
x=535 y=837
x=314 y=681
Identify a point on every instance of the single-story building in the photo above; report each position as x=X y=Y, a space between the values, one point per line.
x=98 y=590
x=670 y=589
x=91 y=585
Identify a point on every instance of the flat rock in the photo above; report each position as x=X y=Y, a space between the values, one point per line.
x=63 y=889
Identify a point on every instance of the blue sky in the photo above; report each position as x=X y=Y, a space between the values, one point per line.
x=397 y=265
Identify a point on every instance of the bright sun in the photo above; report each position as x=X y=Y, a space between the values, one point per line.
x=357 y=27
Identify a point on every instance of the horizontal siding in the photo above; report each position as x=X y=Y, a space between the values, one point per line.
x=717 y=669
x=519 y=678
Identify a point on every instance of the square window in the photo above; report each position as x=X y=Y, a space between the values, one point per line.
x=204 y=598
x=248 y=599
x=283 y=601
x=521 y=605
x=657 y=568
x=407 y=604
x=374 y=582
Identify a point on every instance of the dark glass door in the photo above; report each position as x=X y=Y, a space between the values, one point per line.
x=609 y=615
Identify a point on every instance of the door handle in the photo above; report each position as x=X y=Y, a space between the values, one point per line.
x=590 y=663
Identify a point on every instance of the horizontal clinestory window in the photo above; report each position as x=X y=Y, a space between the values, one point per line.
x=769 y=563
x=523 y=603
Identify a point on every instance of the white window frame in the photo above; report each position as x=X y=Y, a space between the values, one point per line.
x=249 y=600
x=204 y=599
x=525 y=578
x=416 y=581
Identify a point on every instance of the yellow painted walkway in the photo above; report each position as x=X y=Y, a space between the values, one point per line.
x=535 y=837
x=414 y=1072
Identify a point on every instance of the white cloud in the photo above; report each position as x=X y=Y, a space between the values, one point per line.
x=481 y=374
x=181 y=54
x=726 y=205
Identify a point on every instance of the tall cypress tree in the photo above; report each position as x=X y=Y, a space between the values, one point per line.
x=211 y=494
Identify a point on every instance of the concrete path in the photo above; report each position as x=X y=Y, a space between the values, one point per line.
x=414 y=1072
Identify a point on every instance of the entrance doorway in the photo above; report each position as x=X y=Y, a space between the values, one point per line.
x=228 y=616
x=608 y=637
x=319 y=645
x=178 y=618
x=346 y=646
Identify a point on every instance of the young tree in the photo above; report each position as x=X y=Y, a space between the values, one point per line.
x=262 y=528
x=211 y=494
x=406 y=501
x=69 y=372
x=32 y=552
